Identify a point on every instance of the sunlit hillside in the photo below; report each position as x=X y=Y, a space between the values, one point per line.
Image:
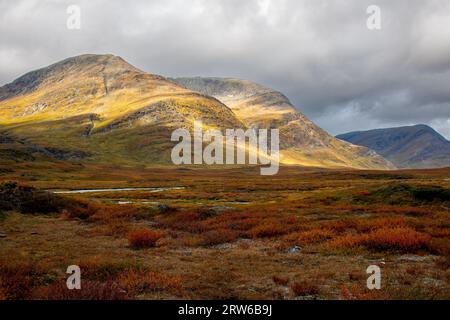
x=301 y=141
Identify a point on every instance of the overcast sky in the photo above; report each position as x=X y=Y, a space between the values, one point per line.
x=321 y=54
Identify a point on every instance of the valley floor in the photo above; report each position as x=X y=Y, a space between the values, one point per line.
x=221 y=234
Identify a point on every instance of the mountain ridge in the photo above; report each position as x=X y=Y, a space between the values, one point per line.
x=103 y=107
x=302 y=141
x=417 y=146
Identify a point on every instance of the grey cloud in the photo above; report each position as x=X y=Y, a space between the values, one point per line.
x=318 y=52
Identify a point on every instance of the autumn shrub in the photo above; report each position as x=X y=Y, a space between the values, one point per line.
x=308 y=237
x=143 y=238
x=241 y=222
x=280 y=280
x=219 y=236
x=135 y=282
x=100 y=269
x=79 y=210
x=340 y=226
x=186 y=220
x=118 y=212
x=16 y=281
x=356 y=292
x=367 y=225
x=304 y=288
x=315 y=236
x=348 y=241
x=90 y=290
x=268 y=229
x=401 y=239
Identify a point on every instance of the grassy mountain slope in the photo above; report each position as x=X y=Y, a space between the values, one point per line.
x=302 y=142
x=102 y=108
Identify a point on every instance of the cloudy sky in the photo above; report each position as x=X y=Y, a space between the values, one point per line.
x=320 y=53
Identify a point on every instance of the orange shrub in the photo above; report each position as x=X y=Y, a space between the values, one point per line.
x=348 y=241
x=143 y=238
x=139 y=281
x=397 y=239
x=339 y=226
x=402 y=239
x=380 y=223
x=268 y=229
x=315 y=236
x=308 y=237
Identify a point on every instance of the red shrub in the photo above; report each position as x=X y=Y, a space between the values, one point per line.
x=280 y=281
x=80 y=210
x=268 y=229
x=219 y=236
x=139 y=281
x=310 y=237
x=304 y=288
x=402 y=239
x=143 y=238
x=15 y=282
x=90 y=290
x=397 y=239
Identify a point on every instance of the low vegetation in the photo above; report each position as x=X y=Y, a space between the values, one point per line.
x=143 y=238
x=303 y=235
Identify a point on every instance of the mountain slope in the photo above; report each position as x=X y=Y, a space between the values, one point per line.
x=301 y=141
x=99 y=105
x=407 y=147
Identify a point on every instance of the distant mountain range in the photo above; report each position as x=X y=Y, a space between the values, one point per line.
x=418 y=146
x=100 y=108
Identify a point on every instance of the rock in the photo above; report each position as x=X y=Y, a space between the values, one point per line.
x=295 y=249
x=2 y=235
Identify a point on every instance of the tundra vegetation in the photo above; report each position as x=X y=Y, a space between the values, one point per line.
x=229 y=233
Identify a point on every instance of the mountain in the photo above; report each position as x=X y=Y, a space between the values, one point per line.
x=99 y=108
x=301 y=141
x=416 y=146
